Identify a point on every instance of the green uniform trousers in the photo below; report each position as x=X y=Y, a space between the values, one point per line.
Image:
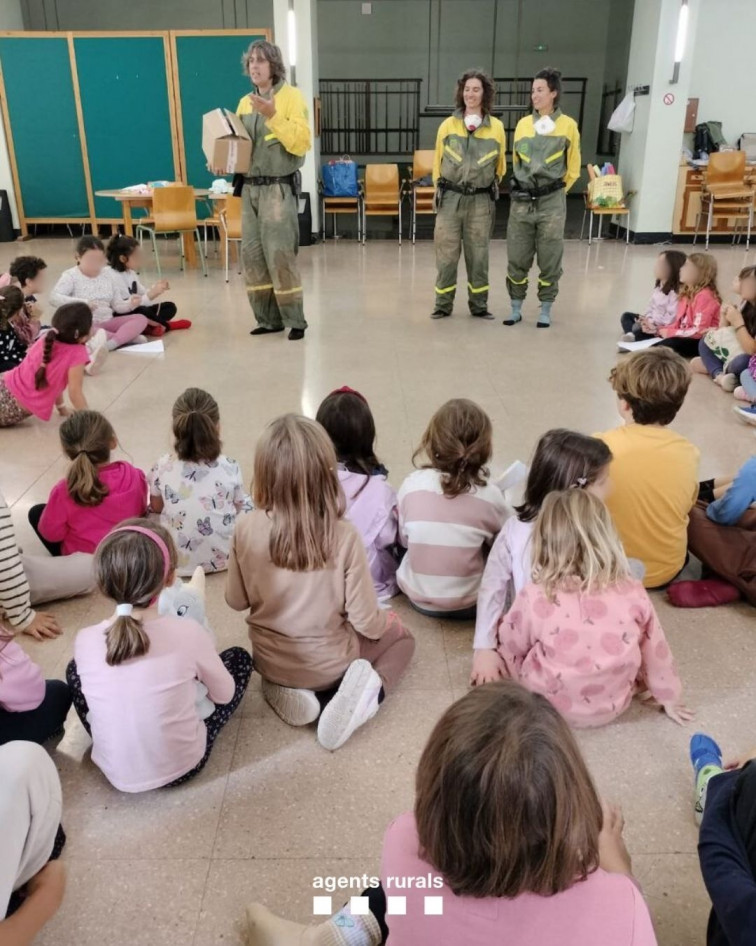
x=270 y=242
x=463 y=221
x=536 y=227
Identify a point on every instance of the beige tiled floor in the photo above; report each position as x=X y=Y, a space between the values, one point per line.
x=272 y=810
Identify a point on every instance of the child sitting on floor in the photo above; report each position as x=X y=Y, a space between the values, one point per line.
x=725 y=351
x=449 y=514
x=133 y=677
x=654 y=472
x=52 y=365
x=198 y=492
x=28 y=273
x=584 y=633
x=698 y=308
x=371 y=500
x=96 y=494
x=319 y=638
x=125 y=260
x=17 y=330
x=563 y=459
x=507 y=831
x=662 y=307
x=31 y=708
x=90 y=281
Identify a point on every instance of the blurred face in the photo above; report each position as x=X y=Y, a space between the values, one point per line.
x=689 y=273
x=91 y=262
x=748 y=288
x=736 y=285
x=36 y=285
x=259 y=70
x=473 y=94
x=601 y=487
x=661 y=268
x=134 y=260
x=541 y=96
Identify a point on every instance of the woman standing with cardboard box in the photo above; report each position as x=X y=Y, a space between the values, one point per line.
x=275 y=116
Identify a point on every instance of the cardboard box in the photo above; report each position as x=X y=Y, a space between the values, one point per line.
x=225 y=141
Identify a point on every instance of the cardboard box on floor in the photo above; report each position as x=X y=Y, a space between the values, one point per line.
x=225 y=142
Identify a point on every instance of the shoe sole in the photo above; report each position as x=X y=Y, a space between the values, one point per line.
x=487 y=317
x=337 y=718
x=294 y=707
x=747 y=418
x=543 y=324
x=440 y=315
x=97 y=360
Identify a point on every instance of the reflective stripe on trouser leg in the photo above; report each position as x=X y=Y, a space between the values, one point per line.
x=279 y=228
x=447 y=240
x=550 y=216
x=521 y=246
x=259 y=280
x=477 y=225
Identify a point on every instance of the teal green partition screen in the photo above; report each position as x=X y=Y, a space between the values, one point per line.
x=209 y=75
x=126 y=88
x=41 y=114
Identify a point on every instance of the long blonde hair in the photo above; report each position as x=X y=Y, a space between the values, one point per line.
x=707 y=276
x=576 y=546
x=296 y=483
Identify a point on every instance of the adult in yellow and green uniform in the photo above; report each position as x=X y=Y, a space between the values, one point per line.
x=275 y=116
x=545 y=165
x=470 y=161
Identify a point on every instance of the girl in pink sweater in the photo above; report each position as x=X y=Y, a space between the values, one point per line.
x=96 y=494
x=698 y=308
x=134 y=675
x=504 y=856
x=584 y=633
x=31 y=708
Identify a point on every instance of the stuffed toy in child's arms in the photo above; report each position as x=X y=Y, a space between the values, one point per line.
x=187 y=600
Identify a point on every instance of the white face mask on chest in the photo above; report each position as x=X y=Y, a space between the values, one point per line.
x=545 y=125
x=473 y=122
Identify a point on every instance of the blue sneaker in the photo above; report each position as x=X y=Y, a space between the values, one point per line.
x=748 y=414
x=706 y=757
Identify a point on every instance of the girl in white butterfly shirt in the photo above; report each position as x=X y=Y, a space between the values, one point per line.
x=197 y=492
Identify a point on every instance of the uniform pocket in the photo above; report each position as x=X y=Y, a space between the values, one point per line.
x=489 y=156
x=554 y=157
x=451 y=153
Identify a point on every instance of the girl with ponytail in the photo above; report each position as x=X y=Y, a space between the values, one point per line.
x=96 y=494
x=54 y=363
x=197 y=491
x=449 y=514
x=133 y=677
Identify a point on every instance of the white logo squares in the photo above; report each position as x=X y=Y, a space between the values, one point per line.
x=321 y=906
x=396 y=906
x=359 y=906
x=433 y=906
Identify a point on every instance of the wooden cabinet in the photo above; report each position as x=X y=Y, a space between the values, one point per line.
x=690 y=182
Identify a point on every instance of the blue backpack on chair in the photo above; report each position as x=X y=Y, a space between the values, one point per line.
x=340 y=178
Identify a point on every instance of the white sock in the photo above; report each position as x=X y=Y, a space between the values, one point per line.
x=112 y=344
x=352 y=930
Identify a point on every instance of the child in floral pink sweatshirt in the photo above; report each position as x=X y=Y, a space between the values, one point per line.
x=698 y=308
x=584 y=633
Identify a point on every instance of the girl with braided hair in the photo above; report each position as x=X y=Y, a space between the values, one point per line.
x=53 y=364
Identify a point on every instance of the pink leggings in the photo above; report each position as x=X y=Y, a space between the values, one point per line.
x=123 y=328
x=391 y=653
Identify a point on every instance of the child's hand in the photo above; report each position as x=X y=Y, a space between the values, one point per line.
x=63 y=411
x=135 y=301
x=647 y=325
x=679 y=713
x=48 y=885
x=487 y=667
x=613 y=855
x=741 y=761
x=160 y=286
x=43 y=627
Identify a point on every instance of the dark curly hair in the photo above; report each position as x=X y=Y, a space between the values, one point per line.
x=489 y=90
x=553 y=78
x=24 y=268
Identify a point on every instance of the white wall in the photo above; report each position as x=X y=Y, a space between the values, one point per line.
x=10 y=19
x=723 y=73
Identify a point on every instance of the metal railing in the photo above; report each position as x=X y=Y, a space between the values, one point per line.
x=608 y=141
x=369 y=116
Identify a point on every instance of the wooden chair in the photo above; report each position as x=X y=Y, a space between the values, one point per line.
x=725 y=193
x=422 y=195
x=231 y=228
x=173 y=211
x=600 y=212
x=383 y=197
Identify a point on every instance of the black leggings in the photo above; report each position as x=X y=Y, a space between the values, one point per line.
x=687 y=347
x=35 y=514
x=628 y=320
x=377 y=905
x=161 y=312
x=42 y=723
x=236 y=660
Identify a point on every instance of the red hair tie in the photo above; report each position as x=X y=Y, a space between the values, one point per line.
x=347 y=390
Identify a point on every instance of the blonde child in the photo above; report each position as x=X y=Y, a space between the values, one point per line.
x=563 y=459
x=724 y=352
x=698 y=308
x=197 y=491
x=52 y=365
x=299 y=567
x=125 y=260
x=133 y=677
x=371 y=500
x=507 y=830
x=662 y=308
x=584 y=633
x=449 y=514
x=91 y=282
x=97 y=492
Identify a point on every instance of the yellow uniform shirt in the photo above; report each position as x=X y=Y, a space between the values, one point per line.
x=470 y=158
x=654 y=479
x=280 y=143
x=539 y=160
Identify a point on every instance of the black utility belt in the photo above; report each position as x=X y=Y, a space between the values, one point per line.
x=264 y=181
x=466 y=189
x=536 y=192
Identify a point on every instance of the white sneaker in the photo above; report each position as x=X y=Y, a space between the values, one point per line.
x=140 y=340
x=295 y=707
x=97 y=346
x=628 y=337
x=355 y=702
